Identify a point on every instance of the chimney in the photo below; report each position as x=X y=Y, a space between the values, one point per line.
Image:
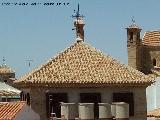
x=79 y=24
x=79 y=28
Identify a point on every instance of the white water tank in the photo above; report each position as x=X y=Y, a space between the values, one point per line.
x=113 y=109
x=105 y=111
x=69 y=111
x=122 y=111
x=86 y=111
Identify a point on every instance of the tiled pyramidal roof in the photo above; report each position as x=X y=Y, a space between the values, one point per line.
x=83 y=64
x=154 y=113
x=152 y=38
x=8 y=110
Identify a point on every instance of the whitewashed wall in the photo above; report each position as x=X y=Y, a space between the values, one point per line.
x=153 y=95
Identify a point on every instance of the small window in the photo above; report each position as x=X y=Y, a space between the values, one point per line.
x=5 y=81
x=21 y=96
x=131 y=36
x=10 y=76
x=28 y=98
x=24 y=97
x=154 y=62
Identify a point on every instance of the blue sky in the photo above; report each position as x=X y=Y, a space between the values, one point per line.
x=40 y=32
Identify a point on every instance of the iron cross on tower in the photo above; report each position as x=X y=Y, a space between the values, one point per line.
x=133 y=20
x=77 y=15
x=3 y=61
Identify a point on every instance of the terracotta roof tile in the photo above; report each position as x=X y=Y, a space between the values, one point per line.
x=82 y=63
x=6 y=69
x=154 y=113
x=152 y=38
x=8 y=110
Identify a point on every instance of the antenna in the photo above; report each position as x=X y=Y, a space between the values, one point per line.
x=29 y=62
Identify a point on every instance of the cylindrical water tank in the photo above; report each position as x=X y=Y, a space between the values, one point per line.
x=105 y=111
x=122 y=111
x=69 y=111
x=113 y=109
x=86 y=111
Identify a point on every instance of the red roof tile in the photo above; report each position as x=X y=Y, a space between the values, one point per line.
x=8 y=110
x=152 y=38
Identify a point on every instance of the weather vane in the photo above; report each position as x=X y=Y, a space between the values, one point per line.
x=77 y=15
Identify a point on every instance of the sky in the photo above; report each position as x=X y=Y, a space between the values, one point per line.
x=39 y=32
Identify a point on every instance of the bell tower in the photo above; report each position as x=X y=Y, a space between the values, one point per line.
x=134 y=46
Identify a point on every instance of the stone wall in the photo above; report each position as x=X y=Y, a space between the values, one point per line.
x=150 y=53
x=134 y=56
x=38 y=98
x=38 y=102
x=140 y=104
x=141 y=57
x=7 y=78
